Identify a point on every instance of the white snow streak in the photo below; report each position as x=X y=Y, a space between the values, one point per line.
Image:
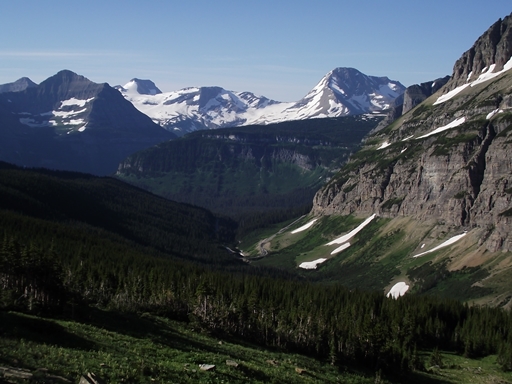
x=340 y=248
x=73 y=101
x=348 y=236
x=304 y=227
x=486 y=75
x=311 y=264
x=66 y=117
x=398 y=290
x=450 y=94
x=495 y=112
x=384 y=145
x=340 y=240
x=442 y=245
x=453 y=124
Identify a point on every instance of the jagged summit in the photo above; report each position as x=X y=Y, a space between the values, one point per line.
x=141 y=87
x=490 y=53
x=447 y=158
x=64 y=85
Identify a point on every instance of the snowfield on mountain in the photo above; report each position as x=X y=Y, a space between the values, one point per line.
x=342 y=92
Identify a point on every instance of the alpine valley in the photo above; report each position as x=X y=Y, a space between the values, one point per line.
x=431 y=192
x=362 y=234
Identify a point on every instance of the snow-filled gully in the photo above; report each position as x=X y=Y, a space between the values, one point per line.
x=342 y=240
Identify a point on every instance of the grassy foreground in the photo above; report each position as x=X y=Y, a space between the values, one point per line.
x=149 y=349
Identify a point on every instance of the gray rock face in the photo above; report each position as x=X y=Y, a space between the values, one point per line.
x=412 y=97
x=417 y=93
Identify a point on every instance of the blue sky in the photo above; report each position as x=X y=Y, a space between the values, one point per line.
x=279 y=49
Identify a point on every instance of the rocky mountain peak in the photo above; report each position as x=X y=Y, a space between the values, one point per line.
x=17 y=86
x=342 y=92
x=447 y=160
x=63 y=86
x=353 y=81
x=493 y=48
x=69 y=122
x=66 y=77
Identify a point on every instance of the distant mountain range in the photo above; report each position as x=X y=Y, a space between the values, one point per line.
x=71 y=123
x=17 y=86
x=342 y=92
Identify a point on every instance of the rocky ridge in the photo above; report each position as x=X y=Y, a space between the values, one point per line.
x=493 y=48
x=417 y=93
x=253 y=168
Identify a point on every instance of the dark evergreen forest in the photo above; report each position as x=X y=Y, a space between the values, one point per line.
x=72 y=241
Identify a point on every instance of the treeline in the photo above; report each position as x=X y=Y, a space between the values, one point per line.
x=310 y=137
x=230 y=178
x=255 y=212
x=344 y=130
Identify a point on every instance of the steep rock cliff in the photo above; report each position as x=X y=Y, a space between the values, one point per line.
x=446 y=160
x=417 y=93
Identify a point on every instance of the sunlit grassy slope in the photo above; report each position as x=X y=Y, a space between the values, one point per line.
x=382 y=254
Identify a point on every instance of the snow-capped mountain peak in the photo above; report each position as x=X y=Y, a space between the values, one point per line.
x=343 y=91
x=349 y=90
x=141 y=87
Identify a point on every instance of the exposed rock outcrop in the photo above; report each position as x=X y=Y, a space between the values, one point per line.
x=413 y=96
x=417 y=93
